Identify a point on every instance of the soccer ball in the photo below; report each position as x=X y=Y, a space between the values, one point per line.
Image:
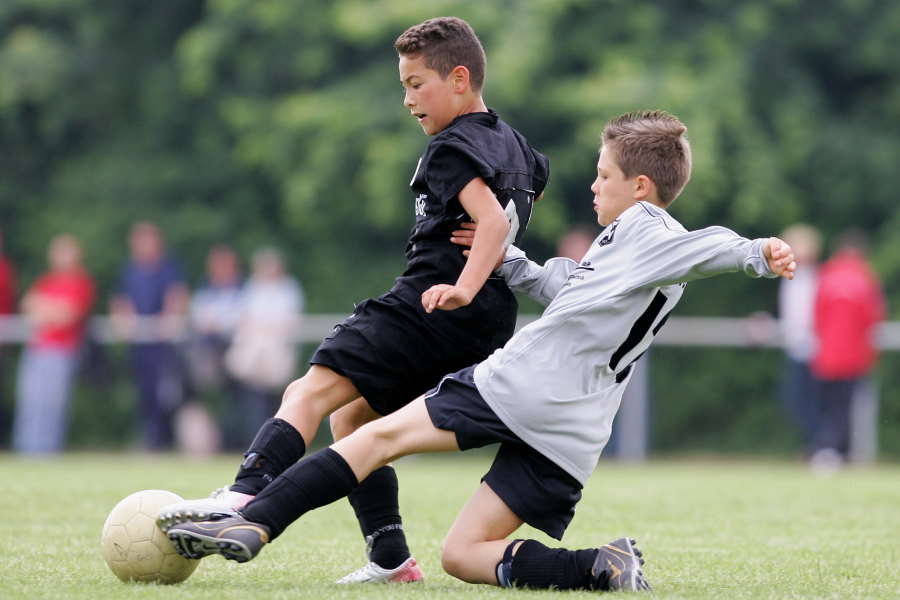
x=134 y=547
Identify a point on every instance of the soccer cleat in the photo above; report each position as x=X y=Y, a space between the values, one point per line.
x=618 y=567
x=408 y=572
x=221 y=503
x=235 y=538
x=371 y=572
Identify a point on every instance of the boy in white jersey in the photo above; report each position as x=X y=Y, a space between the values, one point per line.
x=548 y=396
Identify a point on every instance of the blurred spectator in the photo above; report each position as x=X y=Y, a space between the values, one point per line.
x=214 y=314
x=263 y=355
x=57 y=306
x=576 y=242
x=796 y=298
x=849 y=304
x=152 y=285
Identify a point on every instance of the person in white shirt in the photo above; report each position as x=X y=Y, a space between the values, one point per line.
x=796 y=300
x=548 y=396
x=263 y=353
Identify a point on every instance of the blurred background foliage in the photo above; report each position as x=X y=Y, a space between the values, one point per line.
x=269 y=121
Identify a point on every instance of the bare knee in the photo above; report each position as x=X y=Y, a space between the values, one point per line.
x=299 y=399
x=314 y=394
x=454 y=556
x=342 y=425
x=293 y=391
x=308 y=400
x=382 y=440
x=348 y=419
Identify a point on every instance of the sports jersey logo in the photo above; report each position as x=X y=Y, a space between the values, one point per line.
x=420 y=204
x=610 y=233
x=578 y=273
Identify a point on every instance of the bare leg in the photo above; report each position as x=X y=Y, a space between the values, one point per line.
x=278 y=445
x=308 y=400
x=351 y=417
x=335 y=472
x=376 y=504
x=283 y=440
x=407 y=431
x=476 y=541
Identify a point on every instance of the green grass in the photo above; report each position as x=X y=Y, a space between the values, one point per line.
x=709 y=529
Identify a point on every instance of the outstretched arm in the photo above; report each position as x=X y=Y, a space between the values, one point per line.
x=669 y=256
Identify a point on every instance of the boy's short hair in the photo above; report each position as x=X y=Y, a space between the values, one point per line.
x=445 y=42
x=651 y=143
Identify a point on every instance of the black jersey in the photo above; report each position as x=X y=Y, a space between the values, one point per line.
x=473 y=145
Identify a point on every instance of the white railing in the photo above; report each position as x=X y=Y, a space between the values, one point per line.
x=733 y=332
x=755 y=331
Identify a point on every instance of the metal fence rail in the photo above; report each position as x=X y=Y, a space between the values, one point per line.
x=732 y=332
x=755 y=331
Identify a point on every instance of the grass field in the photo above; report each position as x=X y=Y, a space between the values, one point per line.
x=709 y=529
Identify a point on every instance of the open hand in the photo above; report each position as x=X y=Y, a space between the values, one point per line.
x=446 y=297
x=465 y=236
x=780 y=257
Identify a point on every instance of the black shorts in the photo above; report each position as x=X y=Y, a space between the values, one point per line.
x=389 y=352
x=539 y=491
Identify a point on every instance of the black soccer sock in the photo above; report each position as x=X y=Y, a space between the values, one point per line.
x=539 y=567
x=276 y=447
x=319 y=479
x=377 y=507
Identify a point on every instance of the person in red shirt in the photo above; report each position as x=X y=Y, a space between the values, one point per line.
x=849 y=304
x=57 y=305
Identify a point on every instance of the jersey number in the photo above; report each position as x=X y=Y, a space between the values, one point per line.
x=639 y=332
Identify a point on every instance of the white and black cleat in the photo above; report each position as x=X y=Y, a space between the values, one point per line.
x=221 y=504
x=235 y=538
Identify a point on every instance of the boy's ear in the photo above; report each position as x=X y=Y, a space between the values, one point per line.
x=643 y=187
x=459 y=77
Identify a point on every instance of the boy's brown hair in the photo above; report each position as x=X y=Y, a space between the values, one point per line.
x=651 y=143
x=445 y=43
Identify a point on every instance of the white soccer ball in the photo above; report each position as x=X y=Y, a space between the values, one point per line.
x=134 y=547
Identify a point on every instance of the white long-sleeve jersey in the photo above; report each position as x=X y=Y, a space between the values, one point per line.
x=558 y=382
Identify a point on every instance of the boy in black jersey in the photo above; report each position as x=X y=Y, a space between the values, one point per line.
x=476 y=168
